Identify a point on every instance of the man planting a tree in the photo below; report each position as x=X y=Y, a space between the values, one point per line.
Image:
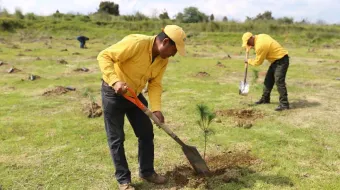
x=132 y=62
x=268 y=48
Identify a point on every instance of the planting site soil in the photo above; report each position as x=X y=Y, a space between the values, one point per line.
x=242 y=117
x=83 y=69
x=59 y=90
x=219 y=64
x=13 y=70
x=202 y=74
x=228 y=167
x=92 y=110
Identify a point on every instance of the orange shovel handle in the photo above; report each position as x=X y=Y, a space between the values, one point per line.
x=134 y=99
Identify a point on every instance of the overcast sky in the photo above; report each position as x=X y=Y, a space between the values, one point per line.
x=313 y=10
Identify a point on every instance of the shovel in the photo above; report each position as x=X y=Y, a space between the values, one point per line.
x=244 y=86
x=190 y=152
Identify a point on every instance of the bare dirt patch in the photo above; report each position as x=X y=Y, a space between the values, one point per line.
x=15 y=47
x=226 y=57
x=3 y=63
x=62 y=61
x=59 y=90
x=33 y=77
x=242 y=117
x=13 y=70
x=229 y=166
x=202 y=74
x=200 y=55
x=92 y=110
x=219 y=64
x=83 y=69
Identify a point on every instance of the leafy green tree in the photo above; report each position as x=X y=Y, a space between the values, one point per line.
x=285 y=20
x=109 y=7
x=179 y=17
x=164 y=16
x=267 y=15
x=4 y=13
x=141 y=16
x=31 y=16
x=18 y=14
x=225 y=19
x=193 y=15
x=212 y=17
x=205 y=119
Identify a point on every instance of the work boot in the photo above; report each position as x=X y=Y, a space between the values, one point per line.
x=156 y=178
x=126 y=186
x=281 y=108
x=263 y=101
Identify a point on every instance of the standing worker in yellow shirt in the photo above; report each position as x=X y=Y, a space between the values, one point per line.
x=134 y=61
x=268 y=48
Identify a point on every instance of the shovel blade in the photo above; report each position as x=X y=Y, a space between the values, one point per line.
x=243 y=88
x=196 y=160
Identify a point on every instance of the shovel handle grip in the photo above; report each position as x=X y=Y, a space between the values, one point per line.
x=134 y=99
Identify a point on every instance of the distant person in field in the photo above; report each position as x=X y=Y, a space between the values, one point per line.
x=82 y=40
x=132 y=62
x=268 y=48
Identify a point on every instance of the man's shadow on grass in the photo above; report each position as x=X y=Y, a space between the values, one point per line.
x=249 y=179
x=301 y=103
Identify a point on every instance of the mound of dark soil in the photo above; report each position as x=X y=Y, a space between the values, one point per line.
x=219 y=64
x=83 y=69
x=33 y=77
x=2 y=63
x=202 y=74
x=228 y=166
x=242 y=117
x=92 y=110
x=62 y=61
x=59 y=90
x=13 y=70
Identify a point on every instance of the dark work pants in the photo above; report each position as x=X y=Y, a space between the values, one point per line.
x=277 y=74
x=82 y=44
x=115 y=108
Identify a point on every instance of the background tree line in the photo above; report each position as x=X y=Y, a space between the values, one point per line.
x=107 y=9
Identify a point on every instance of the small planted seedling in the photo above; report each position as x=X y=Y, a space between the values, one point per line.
x=205 y=119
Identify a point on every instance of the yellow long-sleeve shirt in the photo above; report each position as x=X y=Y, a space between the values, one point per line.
x=266 y=48
x=130 y=61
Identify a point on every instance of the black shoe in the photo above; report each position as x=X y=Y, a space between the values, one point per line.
x=281 y=108
x=262 y=101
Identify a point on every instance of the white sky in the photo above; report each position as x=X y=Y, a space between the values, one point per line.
x=313 y=10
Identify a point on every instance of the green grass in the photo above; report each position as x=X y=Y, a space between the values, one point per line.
x=46 y=142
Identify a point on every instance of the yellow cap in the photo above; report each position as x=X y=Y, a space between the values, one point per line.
x=177 y=35
x=245 y=39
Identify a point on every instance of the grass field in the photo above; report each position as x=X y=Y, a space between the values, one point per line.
x=47 y=142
